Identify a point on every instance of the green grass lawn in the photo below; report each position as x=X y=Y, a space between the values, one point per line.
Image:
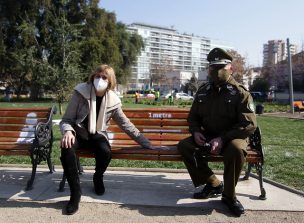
x=284 y=150
x=282 y=139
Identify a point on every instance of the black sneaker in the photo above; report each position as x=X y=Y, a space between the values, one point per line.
x=209 y=191
x=234 y=206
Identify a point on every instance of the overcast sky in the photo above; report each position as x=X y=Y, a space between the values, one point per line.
x=245 y=25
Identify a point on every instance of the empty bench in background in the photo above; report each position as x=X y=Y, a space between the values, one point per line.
x=166 y=127
x=27 y=132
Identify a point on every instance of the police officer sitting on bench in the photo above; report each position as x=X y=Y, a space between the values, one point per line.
x=222 y=114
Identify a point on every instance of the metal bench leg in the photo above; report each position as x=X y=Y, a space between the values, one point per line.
x=247 y=173
x=50 y=165
x=29 y=185
x=80 y=168
x=62 y=183
x=259 y=169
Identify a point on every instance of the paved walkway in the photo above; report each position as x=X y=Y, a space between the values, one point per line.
x=141 y=188
x=135 y=197
x=296 y=115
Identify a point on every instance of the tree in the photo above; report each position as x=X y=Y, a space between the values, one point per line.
x=61 y=59
x=41 y=41
x=238 y=65
x=260 y=84
x=193 y=84
x=159 y=70
x=16 y=47
x=130 y=46
x=106 y=41
x=57 y=55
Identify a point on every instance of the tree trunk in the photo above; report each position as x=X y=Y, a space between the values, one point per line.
x=34 y=92
x=60 y=108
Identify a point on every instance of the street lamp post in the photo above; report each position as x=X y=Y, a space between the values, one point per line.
x=290 y=78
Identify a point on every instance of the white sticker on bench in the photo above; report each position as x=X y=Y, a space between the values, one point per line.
x=31 y=115
x=25 y=136
x=110 y=135
x=162 y=130
x=25 y=140
x=29 y=129
x=31 y=119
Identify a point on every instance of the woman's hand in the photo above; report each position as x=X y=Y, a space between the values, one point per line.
x=67 y=140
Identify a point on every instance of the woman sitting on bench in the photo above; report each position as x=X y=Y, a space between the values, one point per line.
x=84 y=124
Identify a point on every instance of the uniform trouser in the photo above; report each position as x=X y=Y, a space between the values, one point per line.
x=234 y=158
x=100 y=146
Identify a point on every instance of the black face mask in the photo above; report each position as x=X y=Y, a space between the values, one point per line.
x=218 y=74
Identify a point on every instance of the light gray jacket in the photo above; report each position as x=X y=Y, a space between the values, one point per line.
x=79 y=107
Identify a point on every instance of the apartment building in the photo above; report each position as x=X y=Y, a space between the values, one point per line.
x=167 y=50
x=275 y=51
x=281 y=73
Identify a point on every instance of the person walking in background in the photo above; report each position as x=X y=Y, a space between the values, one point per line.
x=156 y=94
x=85 y=124
x=171 y=99
x=222 y=115
x=136 y=95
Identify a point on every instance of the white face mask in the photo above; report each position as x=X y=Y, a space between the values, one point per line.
x=100 y=84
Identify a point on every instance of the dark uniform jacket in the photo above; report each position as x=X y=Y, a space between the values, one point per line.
x=226 y=111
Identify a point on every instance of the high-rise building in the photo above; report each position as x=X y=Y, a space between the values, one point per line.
x=166 y=50
x=275 y=51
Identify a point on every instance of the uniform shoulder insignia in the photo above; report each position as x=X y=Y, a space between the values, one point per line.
x=251 y=106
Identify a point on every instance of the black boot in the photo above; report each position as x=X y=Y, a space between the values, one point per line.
x=234 y=205
x=73 y=204
x=71 y=172
x=102 y=154
x=98 y=184
x=209 y=191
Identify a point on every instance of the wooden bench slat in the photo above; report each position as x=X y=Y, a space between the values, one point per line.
x=28 y=128
x=23 y=114
x=17 y=134
x=172 y=151
x=25 y=121
x=140 y=157
x=165 y=129
x=157 y=110
x=162 y=157
x=157 y=122
x=18 y=141
x=6 y=140
x=154 y=142
x=156 y=115
x=150 y=136
x=153 y=129
x=18 y=152
x=134 y=151
x=15 y=146
x=41 y=109
x=135 y=156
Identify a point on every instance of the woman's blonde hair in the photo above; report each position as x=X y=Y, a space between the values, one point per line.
x=109 y=71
